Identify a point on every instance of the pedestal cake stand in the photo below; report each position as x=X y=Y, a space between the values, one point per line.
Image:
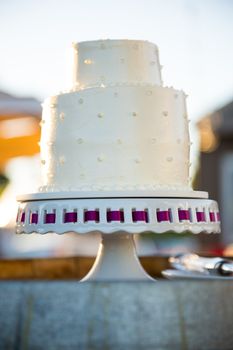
x=117 y=216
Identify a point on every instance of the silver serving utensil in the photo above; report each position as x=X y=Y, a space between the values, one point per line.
x=193 y=262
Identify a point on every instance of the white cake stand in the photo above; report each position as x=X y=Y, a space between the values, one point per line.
x=117 y=216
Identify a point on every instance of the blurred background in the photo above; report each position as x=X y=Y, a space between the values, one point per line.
x=196 y=50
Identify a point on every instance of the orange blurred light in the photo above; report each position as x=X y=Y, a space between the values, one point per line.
x=209 y=141
x=10 y=128
x=18 y=137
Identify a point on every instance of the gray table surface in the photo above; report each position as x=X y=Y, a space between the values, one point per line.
x=122 y=315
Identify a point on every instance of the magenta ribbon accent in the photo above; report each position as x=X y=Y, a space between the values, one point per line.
x=91 y=215
x=34 y=218
x=71 y=217
x=200 y=216
x=183 y=214
x=163 y=215
x=115 y=215
x=22 y=218
x=140 y=215
x=218 y=216
x=212 y=216
x=50 y=218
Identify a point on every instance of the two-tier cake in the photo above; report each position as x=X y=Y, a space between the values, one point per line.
x=118 y=129
x=115 y=158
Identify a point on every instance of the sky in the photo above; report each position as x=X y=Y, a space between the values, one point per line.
x=194 y=39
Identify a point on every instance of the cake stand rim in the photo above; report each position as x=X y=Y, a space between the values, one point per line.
x=163 y=214
x=135 y=231
x=111 y=194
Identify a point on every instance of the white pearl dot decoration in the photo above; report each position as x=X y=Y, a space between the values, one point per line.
x=74 y=45
x=53 y=105
x=43 y=161
x=122 y=60
x=80 y=140
x=115 y=94
x=102 y=46
x=178 y=141
x=134 y=114
x=80 y=101
x=62 y=116
x=152 y=63
x=169 y=159
x=149 y=93
x=137 y=160
x=100 y=115
x=119 y=141
x=82 y=176
x=153 y=140
x=176 y=95
x=61 y=159
x=88 y=61
x=165 y=113
x=101 y=158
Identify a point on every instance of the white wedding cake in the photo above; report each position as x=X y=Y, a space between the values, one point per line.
x=118 y=128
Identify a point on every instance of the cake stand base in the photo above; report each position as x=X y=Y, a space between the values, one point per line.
x=117 y=260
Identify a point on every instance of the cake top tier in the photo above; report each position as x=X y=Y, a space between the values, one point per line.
x=105 y=62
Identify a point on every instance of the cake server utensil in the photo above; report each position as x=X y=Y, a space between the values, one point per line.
x=194 y=263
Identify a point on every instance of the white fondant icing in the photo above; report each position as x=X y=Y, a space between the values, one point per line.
x=118 y=128
x=139 y=160
x=117 y=62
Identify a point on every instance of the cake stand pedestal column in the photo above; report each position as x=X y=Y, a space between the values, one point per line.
x=117 y=260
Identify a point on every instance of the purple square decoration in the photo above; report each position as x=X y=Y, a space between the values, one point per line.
x=50 y=218
x=71 y=217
